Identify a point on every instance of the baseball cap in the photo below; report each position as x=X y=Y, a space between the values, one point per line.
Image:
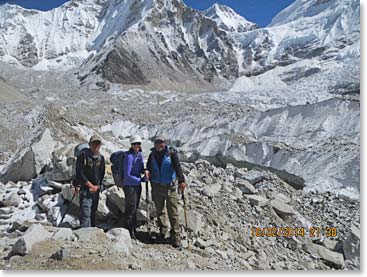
x=95 y=138
x=160 y=138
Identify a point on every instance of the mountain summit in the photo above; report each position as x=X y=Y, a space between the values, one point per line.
x=228 y=20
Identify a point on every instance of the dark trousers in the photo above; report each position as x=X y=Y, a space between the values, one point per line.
x=88 y=208
x=132 y=199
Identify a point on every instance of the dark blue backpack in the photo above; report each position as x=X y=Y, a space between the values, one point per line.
x=80 y=148
x=117 y=159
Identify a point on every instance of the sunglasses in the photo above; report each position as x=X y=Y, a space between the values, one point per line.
x=159 y=142
x=136 y=143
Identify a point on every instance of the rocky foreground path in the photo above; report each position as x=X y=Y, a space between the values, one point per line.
x=238 y=219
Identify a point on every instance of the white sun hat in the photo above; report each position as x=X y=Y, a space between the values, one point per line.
x=135 y=138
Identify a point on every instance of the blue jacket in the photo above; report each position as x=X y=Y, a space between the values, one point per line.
x=166 y=173
x=133 y=168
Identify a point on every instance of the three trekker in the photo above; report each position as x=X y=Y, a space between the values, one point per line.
x=163 y=170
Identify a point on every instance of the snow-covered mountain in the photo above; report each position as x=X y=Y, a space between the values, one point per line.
x=56 y=39
x=165 y=42
x=128 y=41
x=170 y=43
x=322 y=29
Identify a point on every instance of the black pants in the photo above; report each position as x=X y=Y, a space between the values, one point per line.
x=132 y=199
x=88 y=207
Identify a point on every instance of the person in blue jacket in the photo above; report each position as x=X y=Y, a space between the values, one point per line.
x=133 y=169
x=164 y=171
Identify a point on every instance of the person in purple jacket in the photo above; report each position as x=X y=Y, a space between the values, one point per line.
x=133 y=170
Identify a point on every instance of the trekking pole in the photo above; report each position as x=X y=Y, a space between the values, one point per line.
x=185 y=213
x=148 y=211
x=67 y=209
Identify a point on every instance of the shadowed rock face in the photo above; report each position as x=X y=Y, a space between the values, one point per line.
x=120 y=66
x=27 y=51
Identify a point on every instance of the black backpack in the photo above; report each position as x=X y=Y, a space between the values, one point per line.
x=117 y=159
x=80 y=148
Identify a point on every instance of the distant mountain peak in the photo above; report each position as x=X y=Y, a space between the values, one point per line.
x=228 y=20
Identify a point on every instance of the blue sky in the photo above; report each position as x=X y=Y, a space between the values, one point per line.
x=259 y=11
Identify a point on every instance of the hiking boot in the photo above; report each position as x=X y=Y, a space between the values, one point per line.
x=176 y=242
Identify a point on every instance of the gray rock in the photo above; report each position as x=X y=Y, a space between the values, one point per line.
x=208 y=192
x=21 y=192
x=348 y=194
x=68 y=193
x=240 y=173
x=7 y=210
x=90 y=234
x=318 y=251
x=247 y=255
x=238 y=193
x=292 y=244
x=41 y=217
x=11 y=200
x=5 y=216
x=34 y=234
x=205 y=163
x=12 y=185
x=257 y=200
x=63 y=234
x=216 y=187
x=194 y=221
x=102 y=209
x=115 y=200
x=282 y=198
x=246 y=187
x=316 y=199
x=281 y=208
x=20 y=167
x=207 y=180
x=331 y=256
x=190 y=264
x=42 y=150
x=228 y=187
x=278 y=265
x=330 y=244
x=351 y=246
x=255 y=176
x=121 y=241
x=47 y=202
x=203 y=243
x=62 y=163
x=230 y=169
x=20 y=226
x=222 y=254
x=218 y=171
x=24 y=197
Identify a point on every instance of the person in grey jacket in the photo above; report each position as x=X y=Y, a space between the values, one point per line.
x=133 y=169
